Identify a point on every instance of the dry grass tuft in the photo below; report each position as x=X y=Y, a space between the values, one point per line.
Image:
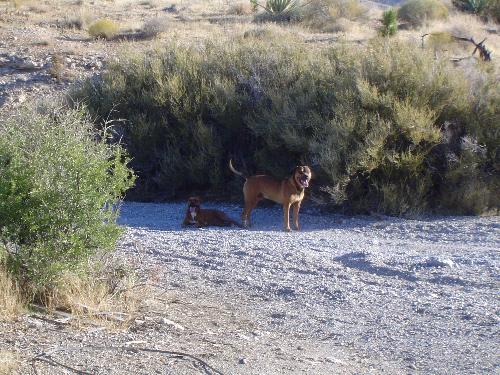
x=333 y=15
x=104 y=28
x=8 y=362
x=154 y=27
x=11 y=301
x=241 y=9
x=106 y=292
x=56 y=69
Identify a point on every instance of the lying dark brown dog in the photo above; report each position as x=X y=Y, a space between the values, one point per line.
x=204 y=218
x=288 y=192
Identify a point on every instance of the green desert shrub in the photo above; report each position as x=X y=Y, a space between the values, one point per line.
x=60 y=185
x=389 y=23
x=373 y=122
x=104 y=28
x=416 y=12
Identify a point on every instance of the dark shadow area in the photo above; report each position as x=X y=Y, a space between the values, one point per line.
x=358 y=261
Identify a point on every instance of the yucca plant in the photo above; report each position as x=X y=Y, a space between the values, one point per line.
x=278 y=7
x=473 y=6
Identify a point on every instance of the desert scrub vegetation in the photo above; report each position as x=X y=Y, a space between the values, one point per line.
x=322 y=15
x=60 y=185
x=277 y=10
x=104 y=28
x=389 y=22
x=11 y=300
x=386 y=127
x=417 y=12
x=487 y=9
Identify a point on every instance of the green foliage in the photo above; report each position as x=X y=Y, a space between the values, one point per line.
x=416 y=12
x=281 y=6
x=373 y=122
x=60 y=184
x=489 y=9
x=277 y=10
x=389 y=23
x=473 y=6
x=104 y=28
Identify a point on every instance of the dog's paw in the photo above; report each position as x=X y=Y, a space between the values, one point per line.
x=287 y=229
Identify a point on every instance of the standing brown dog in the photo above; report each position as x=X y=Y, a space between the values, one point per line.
x=288 y=192
x=204 y=218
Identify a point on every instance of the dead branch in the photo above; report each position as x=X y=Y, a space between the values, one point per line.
x=484 y=53
x=47 y=357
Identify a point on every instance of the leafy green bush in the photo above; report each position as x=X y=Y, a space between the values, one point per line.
x=372 y=121
x=389 y=23
x=60 y=184
x=104 y=28
x=416 y=12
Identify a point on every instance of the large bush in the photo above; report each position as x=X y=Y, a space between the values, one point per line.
x=416 y=12
x=60 y=183
x=385 y=127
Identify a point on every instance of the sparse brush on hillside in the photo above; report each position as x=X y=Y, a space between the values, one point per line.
x=59 y=188
x=416 y=12
x=385 y=127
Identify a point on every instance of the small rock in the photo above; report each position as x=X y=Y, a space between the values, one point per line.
x=21 y=98
x=242 y=361
x=173 y=324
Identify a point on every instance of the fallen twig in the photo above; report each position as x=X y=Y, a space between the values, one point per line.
x=47 y=357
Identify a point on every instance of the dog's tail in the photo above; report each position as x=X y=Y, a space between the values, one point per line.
x=235 y=171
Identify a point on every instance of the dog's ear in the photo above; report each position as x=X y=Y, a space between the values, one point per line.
x=292 y=172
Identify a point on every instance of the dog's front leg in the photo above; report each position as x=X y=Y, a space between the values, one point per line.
x=286 y=216
x=296 y=208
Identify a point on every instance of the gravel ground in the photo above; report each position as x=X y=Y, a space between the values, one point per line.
x=402 y=295
x=347 y=295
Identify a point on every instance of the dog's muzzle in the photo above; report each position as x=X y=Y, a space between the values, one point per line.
x=304 y=181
